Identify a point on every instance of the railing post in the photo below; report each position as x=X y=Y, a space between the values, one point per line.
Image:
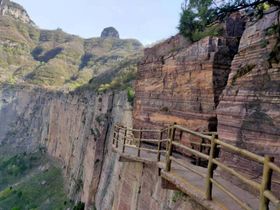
x=210 y=169
x=266 y=183
x=159 y=146
x=118 y=135
x=170 y=147
x=198 y=159
x=139 y=142
x=168 y=137
x=124 y=140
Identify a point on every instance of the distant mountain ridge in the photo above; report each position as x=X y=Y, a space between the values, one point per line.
x=53 y=58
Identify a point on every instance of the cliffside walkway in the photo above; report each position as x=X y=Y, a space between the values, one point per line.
x=180 y=164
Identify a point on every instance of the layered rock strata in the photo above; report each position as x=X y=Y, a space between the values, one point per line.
x=249 y=110
x=181 y=82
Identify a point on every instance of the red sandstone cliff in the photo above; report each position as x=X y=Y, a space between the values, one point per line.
x=181 y=82
x=249 y=110
x=192 y=84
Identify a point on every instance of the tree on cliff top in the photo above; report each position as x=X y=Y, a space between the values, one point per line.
x=197 y=15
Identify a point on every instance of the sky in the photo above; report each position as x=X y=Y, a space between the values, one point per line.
x=146 y=20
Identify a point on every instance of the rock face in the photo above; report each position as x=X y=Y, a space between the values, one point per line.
x=72 y=127
x=249 y=110
x=110 y=32
x=14 y=10
x=138 y=186
x=76 y=130
x=181 y=82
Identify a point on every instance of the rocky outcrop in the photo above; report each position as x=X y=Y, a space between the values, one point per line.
x=249 y=110
x=181 y=82
x=14 y=10
x=110 y=32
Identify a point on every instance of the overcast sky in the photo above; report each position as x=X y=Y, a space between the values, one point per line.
x=145 y=20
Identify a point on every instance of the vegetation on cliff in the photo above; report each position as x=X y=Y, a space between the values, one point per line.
x=201 y=18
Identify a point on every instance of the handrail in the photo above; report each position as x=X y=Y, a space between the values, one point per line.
x=126 y=137
x=136 y=130
x=238 y=175
x=242 y=152
x=192 y=132
x=194 y=152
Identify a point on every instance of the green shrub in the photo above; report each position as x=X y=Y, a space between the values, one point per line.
x=164 y=109
x=5 y=193
x=195 y=18
x=130 y=95
x=264 y=43
x=100 y=119
x=178 y=195
x=79 y=206
x=274 y=29
x=120 y=81
x=214 y=30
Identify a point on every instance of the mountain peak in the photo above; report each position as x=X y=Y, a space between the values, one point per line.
x=14 y=10
x=110 y=32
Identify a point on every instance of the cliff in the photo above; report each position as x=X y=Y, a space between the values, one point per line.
x=76 y=130
x=73 y=128
x=181 y=82
x=249 y=110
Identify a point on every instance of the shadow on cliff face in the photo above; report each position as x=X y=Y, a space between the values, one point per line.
x=212 y=124
x=255 y=119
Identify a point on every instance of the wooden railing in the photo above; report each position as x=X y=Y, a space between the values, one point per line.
x=168 y=141
x=135 y=138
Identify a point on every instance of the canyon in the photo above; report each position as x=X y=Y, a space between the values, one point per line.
x=228 y=84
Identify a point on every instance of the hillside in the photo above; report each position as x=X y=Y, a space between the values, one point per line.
x=53 y=58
